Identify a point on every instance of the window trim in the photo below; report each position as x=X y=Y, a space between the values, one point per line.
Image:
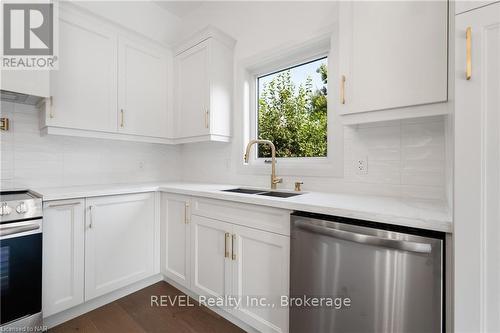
x=313 y=49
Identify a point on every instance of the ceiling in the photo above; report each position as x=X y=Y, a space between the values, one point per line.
x=179 y=8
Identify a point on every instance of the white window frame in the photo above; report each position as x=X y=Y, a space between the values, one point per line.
x=333 y=164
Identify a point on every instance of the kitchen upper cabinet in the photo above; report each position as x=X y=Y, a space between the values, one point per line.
x=176 y=238
x=392 y=55
x=211 y=257
x=203 y=88
x=84 y=88
x=63 y=255
x=110 y=84
x=477 y=164
x=466 y=5
x=120 y=243
x=142 y=88
x=261 y=269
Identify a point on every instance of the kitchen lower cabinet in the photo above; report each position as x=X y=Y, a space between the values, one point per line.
x=236 y=252
x=211 y=256
x=176 y=239
x=261 y=270
x=63 y=255
x=120 y=242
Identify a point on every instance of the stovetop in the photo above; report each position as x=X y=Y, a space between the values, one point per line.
x=19 y=205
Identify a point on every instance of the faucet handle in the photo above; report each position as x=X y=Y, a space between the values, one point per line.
x=298 y=186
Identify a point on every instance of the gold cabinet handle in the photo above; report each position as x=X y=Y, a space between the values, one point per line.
x=91 y=216
x=207 y=118
x=468 y=47
x=122 y=120
x=226 y=250
x=51 y=107
x=342 y=89
x=233 y=255
x=186 y=213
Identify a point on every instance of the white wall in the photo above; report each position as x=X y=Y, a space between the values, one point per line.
x=405 y=158
x=144 y=17
x=30 y=160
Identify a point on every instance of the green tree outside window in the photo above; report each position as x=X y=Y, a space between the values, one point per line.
x=293 y=115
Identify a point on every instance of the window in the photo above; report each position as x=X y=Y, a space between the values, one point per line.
x=292 y=110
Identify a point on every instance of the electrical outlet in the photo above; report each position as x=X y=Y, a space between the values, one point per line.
x=361 y=165
x=141 y=165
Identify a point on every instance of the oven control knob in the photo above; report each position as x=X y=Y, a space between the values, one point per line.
x=21 y=208
x=4 y=209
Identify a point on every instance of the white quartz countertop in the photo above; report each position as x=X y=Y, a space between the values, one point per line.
x=418 y=213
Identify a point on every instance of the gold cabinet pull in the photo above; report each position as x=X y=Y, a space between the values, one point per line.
x=207 y=118
x=468 y=47
x=226 y=249
x=233 y=255
x=91 y=216
x=51 y=107
x=342 y=89
x=186 y=213
x=122 y=120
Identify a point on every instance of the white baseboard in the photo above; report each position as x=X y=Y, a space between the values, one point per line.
x=93 y=304
x=81 y=309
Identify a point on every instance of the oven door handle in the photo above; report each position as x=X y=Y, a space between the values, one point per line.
x=366 y=239
x=19 y=229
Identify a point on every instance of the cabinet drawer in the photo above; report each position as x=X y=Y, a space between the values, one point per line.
x=253 y=216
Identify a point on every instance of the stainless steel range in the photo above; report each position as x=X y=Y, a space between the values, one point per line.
x=21 y=261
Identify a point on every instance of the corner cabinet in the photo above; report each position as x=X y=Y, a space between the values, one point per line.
x=393 y=60
x=63 y=255
x=477 y=170
x=176 y=238
x=203 y=88
x=107 y=85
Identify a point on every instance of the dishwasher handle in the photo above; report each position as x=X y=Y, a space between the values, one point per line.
x=366 y=239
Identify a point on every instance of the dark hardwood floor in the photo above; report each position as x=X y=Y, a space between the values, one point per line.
x=134 y=313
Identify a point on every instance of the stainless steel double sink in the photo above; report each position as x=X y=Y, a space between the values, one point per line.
x=277 y=194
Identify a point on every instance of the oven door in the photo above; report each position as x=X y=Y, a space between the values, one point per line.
x=21 y=269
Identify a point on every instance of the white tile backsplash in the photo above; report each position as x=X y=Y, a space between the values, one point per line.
x=31 y=160
x=405 y=158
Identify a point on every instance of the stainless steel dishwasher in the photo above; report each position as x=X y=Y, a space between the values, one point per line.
x=387 y=279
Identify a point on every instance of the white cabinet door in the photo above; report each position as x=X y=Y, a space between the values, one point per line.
x=176 y=238
x=261 y=270
x=120 y=242
x=210 y=256
x=192 y=91
x=142 y=77
x=477 y=172
x=84 y=89
x=63 y=255
x=392 y=54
